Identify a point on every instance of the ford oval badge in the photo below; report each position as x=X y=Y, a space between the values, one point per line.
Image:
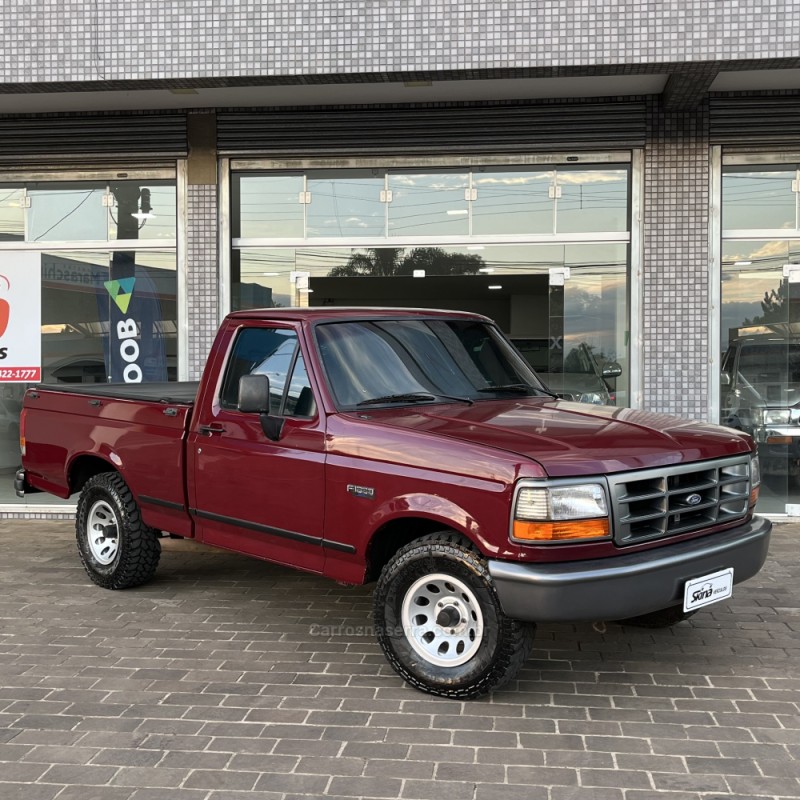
x=693 y=499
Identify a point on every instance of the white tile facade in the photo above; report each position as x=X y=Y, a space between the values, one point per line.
x=50 y=41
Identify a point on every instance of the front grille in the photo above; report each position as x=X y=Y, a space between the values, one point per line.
x=655 y=503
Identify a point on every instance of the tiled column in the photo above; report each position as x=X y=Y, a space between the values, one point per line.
x=676 y=263
x=203 y=281
x=202 y=247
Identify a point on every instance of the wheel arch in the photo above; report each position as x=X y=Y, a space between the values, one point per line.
x=403 y=518
x=397 y=533
x=84 y=467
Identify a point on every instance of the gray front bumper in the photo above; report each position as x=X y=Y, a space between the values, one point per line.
x=626 y=585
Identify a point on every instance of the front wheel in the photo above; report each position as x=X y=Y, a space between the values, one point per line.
x=117 y=550
x=440 y=623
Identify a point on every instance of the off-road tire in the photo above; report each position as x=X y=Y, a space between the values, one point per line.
x=117 y=550
x=663 y=618
x=488 y=658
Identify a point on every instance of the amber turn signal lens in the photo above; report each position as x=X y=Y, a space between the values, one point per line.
x=560 y=531
x=779 y=439
x=754 y=496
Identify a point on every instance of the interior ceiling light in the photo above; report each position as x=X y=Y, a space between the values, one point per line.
x=495 y=286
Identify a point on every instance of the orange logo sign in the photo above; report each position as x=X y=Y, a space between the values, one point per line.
x=4 y=307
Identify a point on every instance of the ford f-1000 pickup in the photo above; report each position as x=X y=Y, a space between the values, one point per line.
x=417 y=449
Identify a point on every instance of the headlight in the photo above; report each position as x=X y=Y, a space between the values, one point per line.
x=755 y=480
x=592 y=397
x=776 y=416
x=755 y=471
x=560 y=513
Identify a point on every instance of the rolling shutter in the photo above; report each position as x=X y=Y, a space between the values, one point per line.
x=432 y=130
x=91 y=138
x=755 y=120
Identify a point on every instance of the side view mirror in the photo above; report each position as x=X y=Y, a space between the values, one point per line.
x=254 y=399
x=253 y=394
x=612 y=370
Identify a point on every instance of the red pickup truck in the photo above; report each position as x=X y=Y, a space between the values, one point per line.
x=413 y=448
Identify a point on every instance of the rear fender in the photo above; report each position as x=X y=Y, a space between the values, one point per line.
x=83 y=466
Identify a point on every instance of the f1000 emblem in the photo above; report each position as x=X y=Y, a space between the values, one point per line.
x=361 y=491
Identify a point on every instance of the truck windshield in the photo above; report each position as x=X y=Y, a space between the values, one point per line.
x=420 y=360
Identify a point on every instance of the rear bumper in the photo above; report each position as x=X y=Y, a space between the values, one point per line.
x=21 y=485
x=626 y=585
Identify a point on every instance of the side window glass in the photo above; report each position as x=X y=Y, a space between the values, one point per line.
x=299 y=398
x=272 y=352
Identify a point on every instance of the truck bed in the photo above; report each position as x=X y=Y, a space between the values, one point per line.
x=183 y=392
x=136 y=429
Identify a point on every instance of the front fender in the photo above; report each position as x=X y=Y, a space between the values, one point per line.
x=431 y=507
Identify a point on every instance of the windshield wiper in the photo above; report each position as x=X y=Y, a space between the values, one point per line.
x=518 y=388
x=411 y=397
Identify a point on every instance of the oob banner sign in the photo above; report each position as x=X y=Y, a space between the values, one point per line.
x=134 y=348
x=20 y=317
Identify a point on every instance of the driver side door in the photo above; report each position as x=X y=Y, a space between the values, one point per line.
x=251 y=494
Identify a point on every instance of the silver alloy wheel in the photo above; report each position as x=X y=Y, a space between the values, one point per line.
x=442 y=620
x=102 y=532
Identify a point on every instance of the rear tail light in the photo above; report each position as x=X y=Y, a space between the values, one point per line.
x=22 y=416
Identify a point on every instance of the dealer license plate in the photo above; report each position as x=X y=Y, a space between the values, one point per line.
x=708 y=589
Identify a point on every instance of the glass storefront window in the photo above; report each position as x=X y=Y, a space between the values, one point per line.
x=268 y=206
x=509 y=283
x=759 y=344
x=592 y=201
x=346 y=204
x=77 y=305
x=753 y=284
x=89 y=211
x=428 y=204
x=558 y=291
x=143 y=210
x=759 y=199
x=513 y=200
x=12 y=214
x=86 y=288
x=67 y=212
x=351 y=204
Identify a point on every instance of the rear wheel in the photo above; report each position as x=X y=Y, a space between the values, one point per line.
x=117 y=550
x=440 y=623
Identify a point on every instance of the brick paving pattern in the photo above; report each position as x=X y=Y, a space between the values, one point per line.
x=231 y=679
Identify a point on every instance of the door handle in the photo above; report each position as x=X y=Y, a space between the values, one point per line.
x=210 y=430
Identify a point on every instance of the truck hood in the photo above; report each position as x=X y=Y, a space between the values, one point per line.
x=569 y=439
